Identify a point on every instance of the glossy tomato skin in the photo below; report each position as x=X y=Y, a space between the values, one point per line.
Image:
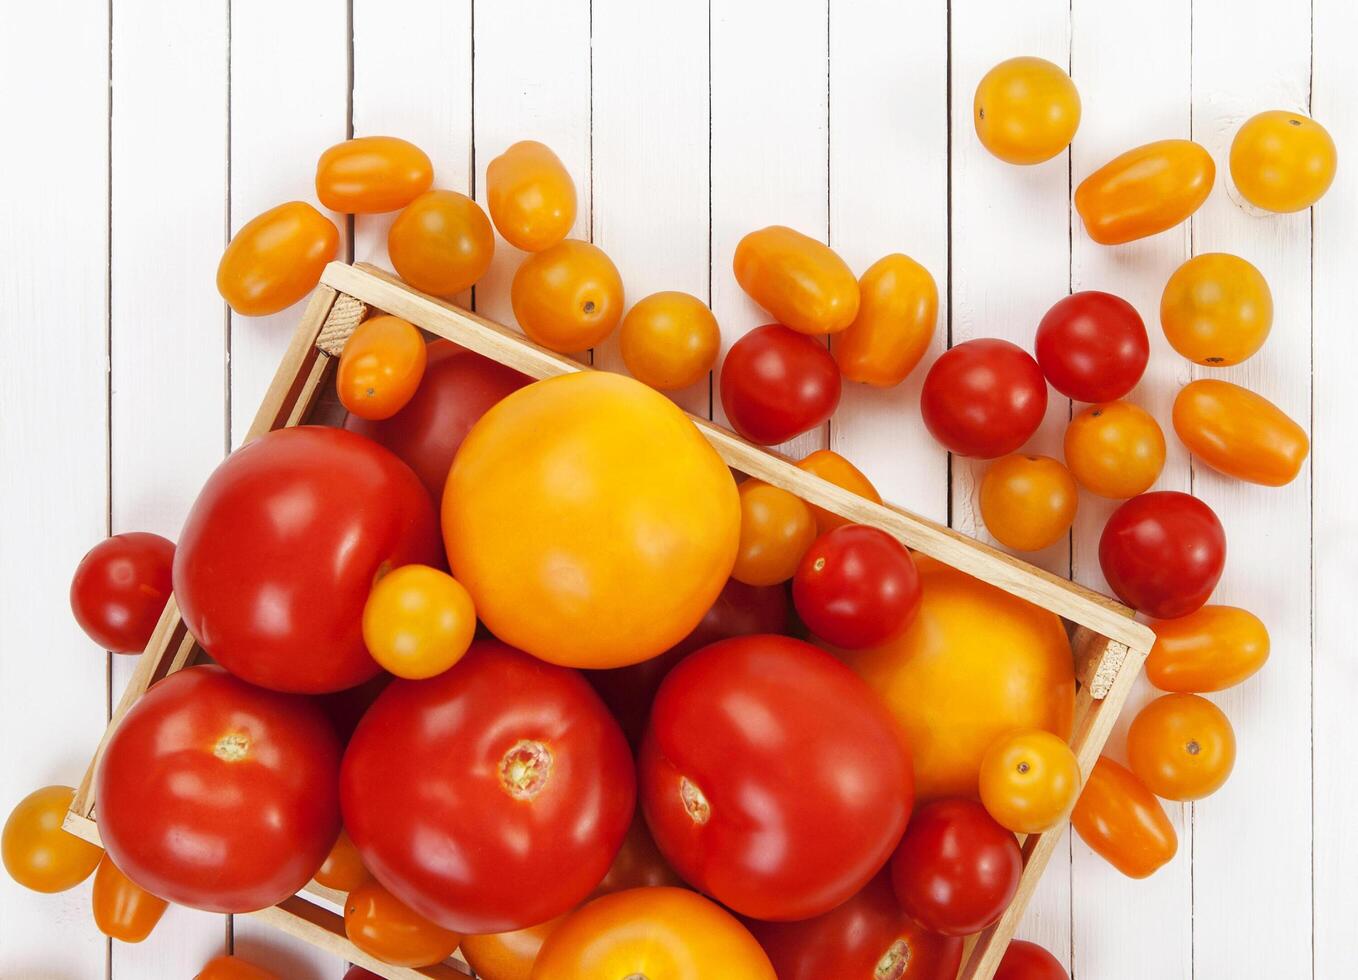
x=1028 y=502
x=292 y=517
x=1115 y=449
x=776 y=529
x=1123 y=822
x=1029 y=961
x=120 y=589
x=1282 y=161
x=380 y=367
x=441 y=243
x=1026 y=110
x=1211 y=649
x=418 y=621
x=1145 y=191
x=1092 y=346
x=530 y=195
x=511 y=762
x=856 y=586
x=276 y=258
x=1239 y=433
x=1028 y=781
x=798 y=279
x=984 y=398
x=342 y=868
x=897 y=316
x=123 y=910
x=777 y=383
x=1181 y=746
x=568 y=297
x=234 y=968
x=386 y=928
x=38 y=853
x=834 y=468
x=1216 y=309
x=1163 y=553
x=219 y=795
x=372 y=174
x=669 y=340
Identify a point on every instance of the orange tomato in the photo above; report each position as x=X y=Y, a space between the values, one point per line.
x=1123 y=822
x=1211 y=649
x=508 y=955
x=385 y=928
x=804 y=284
x=276 y=259
x=1026 y=110
x=669 y=340
x=37 y=852
x=1216 y=309
x=1028 y=781
x=1239 y=433
x=342 y=868
x=234 y=968
x=123 y=910
x=380 y=367
x=776 y=528
x=834 y=468
x=441 y=243
x=897 y=313
x=567 y=298
x=1028 y=502
x=418 y=621
x=1181 y=746
x=1282 y=161
x=1115 y=449
x=1145 y=191
x=531 y=196
x=372 y=174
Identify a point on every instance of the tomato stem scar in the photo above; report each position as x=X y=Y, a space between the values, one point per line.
x=232 y=748
x=524 y=769
x=699 y=810
x=894 y=962
x=1193 y=747
x=1023 y=768
x=589 y=306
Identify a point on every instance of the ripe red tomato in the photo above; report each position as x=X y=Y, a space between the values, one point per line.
x=219 y=795
x=777 y=383
x=492 y=796
x=984 y=398
x=759 y=750
x=1162 y=553
x=1092 y=346
x=120 y=588
x=282 y=546
x=856 y=587
x=1029 y=961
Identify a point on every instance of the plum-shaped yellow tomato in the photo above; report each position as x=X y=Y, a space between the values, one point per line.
x=589 y=519
x=1026 y=110
x=1282 y=161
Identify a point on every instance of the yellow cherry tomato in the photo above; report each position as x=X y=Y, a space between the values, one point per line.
x=1282 y=161
x=669 y=340
x=234 y=968
x=1211 y=649
x=385 y=928
x=1181 y=746
x=897 y=313
x=1239 y=433
x=418 y=621
x=1115 y=449
x=1026 y=110
x=380 y=367
x=834 y=468
x=1145 y=191
x=342 y=868
x=276 y=259
x=531 y=196
x=123 y=910
x=372 y=174
x=1029 y=780
x=1216 y=309
x=568 y=297
x=1123 y=822
x=798 y=279
x=441 y=243
x=776 y=528
x=1028 y=502
x=507 y=955
x=37 y=852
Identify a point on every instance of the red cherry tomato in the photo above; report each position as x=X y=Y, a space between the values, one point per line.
x=1162 y=553
x=120 y=589
x=777 y=383
x=1029 y=961
x=1092 y=346
x=984 y=398
x=856 y=587
x=358 y=973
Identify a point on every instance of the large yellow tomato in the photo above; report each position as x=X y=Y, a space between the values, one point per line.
x=590 y=521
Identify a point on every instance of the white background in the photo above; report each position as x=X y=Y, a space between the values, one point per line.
x=136 y=135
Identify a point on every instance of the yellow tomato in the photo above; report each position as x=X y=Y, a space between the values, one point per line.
x=342 y=868
x=1282 y=161
x=441 y=243
x=897 y=313
x=531 y=196
x=1029 y=780
x=1239 y=433
x=507 y=955
x=1209 y=650
x=1028 y=502
x=834 y=468
x=380 y=367
x=234 y=968
x=384 y=927
x=37 y=852
x=1123 y=822
x=776 y=528
x=123 y=910
x=1026 y=110
x=801 y=281
x=1145 y=191
x=669 y=340
x=372 y=174
x=567 y=298
x=1216 y=309
x=1115 y=449
x=1181 y=746
x=418 y=622
x=276 y=259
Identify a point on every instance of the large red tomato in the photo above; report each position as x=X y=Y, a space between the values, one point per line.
x=759 y=751
x=1092 y=346
x=219 y=795
x=1029 y=961
x=984 y=398
x=120 y=589
x=491 y=797
x=777 y=383
x=281 y=548
x=1163 y=553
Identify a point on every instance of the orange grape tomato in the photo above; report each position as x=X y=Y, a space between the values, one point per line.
x=1211 y=649
x=342 y=868
x=897 y=314
x=834 y=468
x=123 y=910
x=234 y=968
x=276 y=259
x=1028 y=502
x=387 y=929
x=380 y=367
x=776 y=528
x=1028 y=780
x=441 y=243
x=798 y=279
x=1181 y=746
x=507 y=955
x=1282 y=161
x=372 y=174
x=1026 y=110
x=1145 y=191
x=1239 y=433
x=418 y=621
x=568 y=297
x=37 y=852
x=1216 y=309
x=1115 y=449
x=531 y=196
x=669 y=340
x=1123 y=822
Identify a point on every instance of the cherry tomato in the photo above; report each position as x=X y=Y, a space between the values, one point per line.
x=1162 y=553
x=1209 y=650
x=568 y=297
x=856 y=587
x=777 y=383
x=759 y=750
x=1181 y=746
x=1029 y=779
x=1216 y=309
x=380 y=367
x=984 y=398
x=1115 y=449
x=1239 y=433
x=508 y=955
x=1092 y=346
x=441 y=243
x=276 y=259
x=385 y=928
x=1145 y=191
x=669 y=340
x=233 y=968
x=123 y=910
x=776 y=529
x=358 y=973
x=897 y=314
x=418 y=621
x=1026 y=110
x=801 y=281
x=1029 y=961
x=956 y=869
x=1123 y=822
x=531 y=196
x=1282 y=161
x=834 y=468
x=1028 y=502
x=342 y=869
x=37 y=852
x=120 y=589
x=372 y=174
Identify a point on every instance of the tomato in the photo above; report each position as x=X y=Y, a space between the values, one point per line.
x=282 y=546
x=984 y=398
x=976 y=663
x=777 y=383
x=1092 y=346
x=531 y=196
x=1029 y=780
x=834 y=468
x=1123 y=822
x=1115 y=449
x=508 y=955
x=856 y=587
x=758 y=751
x=1211 y=649
x=568 y=297
x=1239 y=433
x=37 y=852
x=669 y=340
x=276 y=259
x=638 y=863
x=1181 y=746
x=1026 y=110
x=418 y=621
x=387 y=929
x=371 y=174
x=956 y=870
x=120 y=589
x=591 y=522
x=1028 y=502
x=358 y=973
x=1282 y=161
x=441 y=243
x=897 y=314
x=1216 y=309
x=801 y=281
x=1029 y=961
x=380 y=367
x=508 y=762
x=1162 y=553
x=776 y=529
x=345 y=708
x=1145 y=191
x=233 y=968
x=123 y=910
x=342 y=869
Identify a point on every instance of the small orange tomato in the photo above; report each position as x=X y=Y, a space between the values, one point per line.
x=387 y=929
x=234 y=968
x=801 y=281
x=669 y=340
x=531 y=196
x=1123 y=822
x=834 y=468
x=776 y=528
x=37 y=852
x=897 y=313
x=380 y=367
x=342 y=868
x=1181 y=746
x=1145 y=191
x=1216 y=309
x=1239 y=433
x=1211 y=649
x=123 y=910
x=507 y=955
x=441 y=243
x=1028 y=502
x=276 y=259
x=372 y=174
x=1115 y=449
x=567 y=298
x=1282 y=161
x=1028 y=780
x=1026 y=110
x=418 y=621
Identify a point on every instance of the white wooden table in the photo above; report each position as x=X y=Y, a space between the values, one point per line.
x=136 y=135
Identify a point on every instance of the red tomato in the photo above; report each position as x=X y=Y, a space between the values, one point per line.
x=856 y=587
x=759 y=750
x=1162 y=553
x=984 y=398
x=777 y=383
x=956 y=870
x=282 y=546
x=120 y=589
x=492 y=796
x=358 y=973
x=219 y=795
x=1029 y=961
x=1092 y=346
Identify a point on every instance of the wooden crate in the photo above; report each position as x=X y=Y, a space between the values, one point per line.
x=1108 y=644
